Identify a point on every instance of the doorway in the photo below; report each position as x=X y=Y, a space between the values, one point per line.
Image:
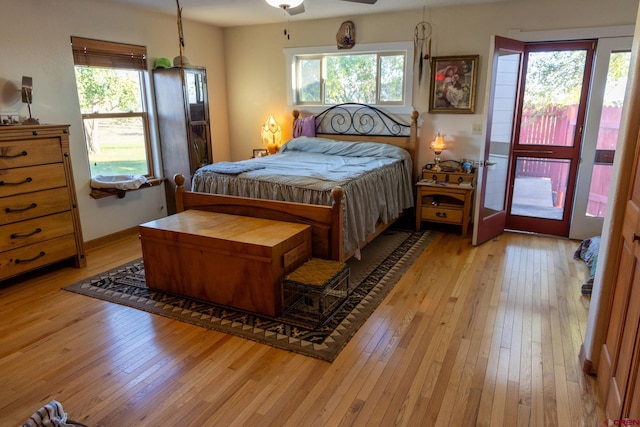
x=548 y=136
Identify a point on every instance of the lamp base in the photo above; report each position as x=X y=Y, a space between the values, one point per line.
x=436 y=166
x=31 y=121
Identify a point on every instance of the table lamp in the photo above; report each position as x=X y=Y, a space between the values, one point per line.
x=438 y=145
x=271 y=135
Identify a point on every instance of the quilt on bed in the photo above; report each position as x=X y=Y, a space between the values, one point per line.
x=375 y=178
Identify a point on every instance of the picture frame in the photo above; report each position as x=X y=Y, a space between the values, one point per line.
x=260 y=152
x=453 y=84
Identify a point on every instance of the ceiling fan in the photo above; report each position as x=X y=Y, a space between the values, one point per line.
x=296 y=7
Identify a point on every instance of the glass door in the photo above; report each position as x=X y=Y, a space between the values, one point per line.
x=611 y=70
x=494 y=178
x=548 y=136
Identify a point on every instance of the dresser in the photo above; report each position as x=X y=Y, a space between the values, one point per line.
x=39 y=221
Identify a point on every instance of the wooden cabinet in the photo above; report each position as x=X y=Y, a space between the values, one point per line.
x=445 y=197
x=39 y=221
x=183 y=123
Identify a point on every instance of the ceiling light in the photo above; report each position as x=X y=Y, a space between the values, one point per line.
x=284 y=4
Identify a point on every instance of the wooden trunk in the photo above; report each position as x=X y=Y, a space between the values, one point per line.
x=227 y=259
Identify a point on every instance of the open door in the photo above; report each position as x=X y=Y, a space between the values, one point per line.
x=491 y=204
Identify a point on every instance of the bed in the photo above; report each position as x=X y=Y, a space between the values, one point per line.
x=348 y=172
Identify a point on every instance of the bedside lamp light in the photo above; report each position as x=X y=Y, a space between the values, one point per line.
x=438 y=145
x=271 y=134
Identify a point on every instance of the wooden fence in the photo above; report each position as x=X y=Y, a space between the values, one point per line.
x=556 y=126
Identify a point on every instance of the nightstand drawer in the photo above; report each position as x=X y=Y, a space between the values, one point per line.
x=441 y=214
x=458 y=177
x=436 y=176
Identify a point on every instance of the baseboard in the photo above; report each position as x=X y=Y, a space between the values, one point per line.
x=110 y=238
x=587 y=366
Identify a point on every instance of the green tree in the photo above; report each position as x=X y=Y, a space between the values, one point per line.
x=350 y=78
x=562 y=71
x=105 y=90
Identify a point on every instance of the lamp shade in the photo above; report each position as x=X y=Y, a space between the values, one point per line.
x=271 y=134
x=284 y=4
x=438 y=145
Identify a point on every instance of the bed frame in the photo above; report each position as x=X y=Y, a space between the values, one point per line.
x=346 y=122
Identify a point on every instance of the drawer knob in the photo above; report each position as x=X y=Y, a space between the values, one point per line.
x=28 y=179
x=31 y=206
x=40 y=255
x=13 y=156
x=441 y=214
x=22 y=236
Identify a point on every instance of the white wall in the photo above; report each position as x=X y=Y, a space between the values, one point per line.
x=34 y=41
x=255 y=61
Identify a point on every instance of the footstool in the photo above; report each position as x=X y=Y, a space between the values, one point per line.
x=316 y=290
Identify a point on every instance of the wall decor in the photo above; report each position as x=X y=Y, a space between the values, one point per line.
x=346 y=37
x=453 y=84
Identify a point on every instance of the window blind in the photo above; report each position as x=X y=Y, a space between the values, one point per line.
x=99 y=53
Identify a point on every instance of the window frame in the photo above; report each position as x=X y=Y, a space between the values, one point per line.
x=380 y=49
x=117 y=56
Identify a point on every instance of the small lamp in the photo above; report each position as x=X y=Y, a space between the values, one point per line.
x=438 y=145
x=271 y=134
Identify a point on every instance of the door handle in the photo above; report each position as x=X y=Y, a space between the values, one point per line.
x=488 y=163
x=635 y=237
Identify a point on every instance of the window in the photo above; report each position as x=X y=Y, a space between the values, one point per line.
x=110 y=79
x=375 y=74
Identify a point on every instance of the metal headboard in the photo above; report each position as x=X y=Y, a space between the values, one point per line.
x=358 y=119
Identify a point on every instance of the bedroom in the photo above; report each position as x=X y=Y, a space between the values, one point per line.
x=35 y=42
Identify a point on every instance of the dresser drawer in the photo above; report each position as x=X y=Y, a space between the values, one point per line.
x=33 y=205
x=32 y=178
x=35 y=230
x=441 y=214
x=29 y=152
x=27 y=258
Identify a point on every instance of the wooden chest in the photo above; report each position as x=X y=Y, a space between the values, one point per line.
x=39 y=220
x=227 y=259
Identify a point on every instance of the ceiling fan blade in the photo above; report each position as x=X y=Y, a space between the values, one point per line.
x=295 y=10
x=362 y=1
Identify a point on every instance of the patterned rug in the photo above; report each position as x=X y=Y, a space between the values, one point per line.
x=382 y=264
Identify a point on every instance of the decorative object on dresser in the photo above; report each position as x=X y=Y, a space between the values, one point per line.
x=27 y=98
x=183 y=122
x=40 y=224
x=445 y=197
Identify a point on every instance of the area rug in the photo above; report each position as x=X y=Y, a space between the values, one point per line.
x=382 y=264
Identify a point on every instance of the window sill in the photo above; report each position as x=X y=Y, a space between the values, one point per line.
x=101 y=193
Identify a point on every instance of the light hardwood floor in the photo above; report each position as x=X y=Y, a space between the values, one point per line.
x=485 y=336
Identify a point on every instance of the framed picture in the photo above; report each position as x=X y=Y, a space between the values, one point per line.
x=259 y=152
x=453 y=84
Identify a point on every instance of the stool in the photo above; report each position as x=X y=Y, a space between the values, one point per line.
x=316 y=290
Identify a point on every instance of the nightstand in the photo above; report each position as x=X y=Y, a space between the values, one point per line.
x=445 y=197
